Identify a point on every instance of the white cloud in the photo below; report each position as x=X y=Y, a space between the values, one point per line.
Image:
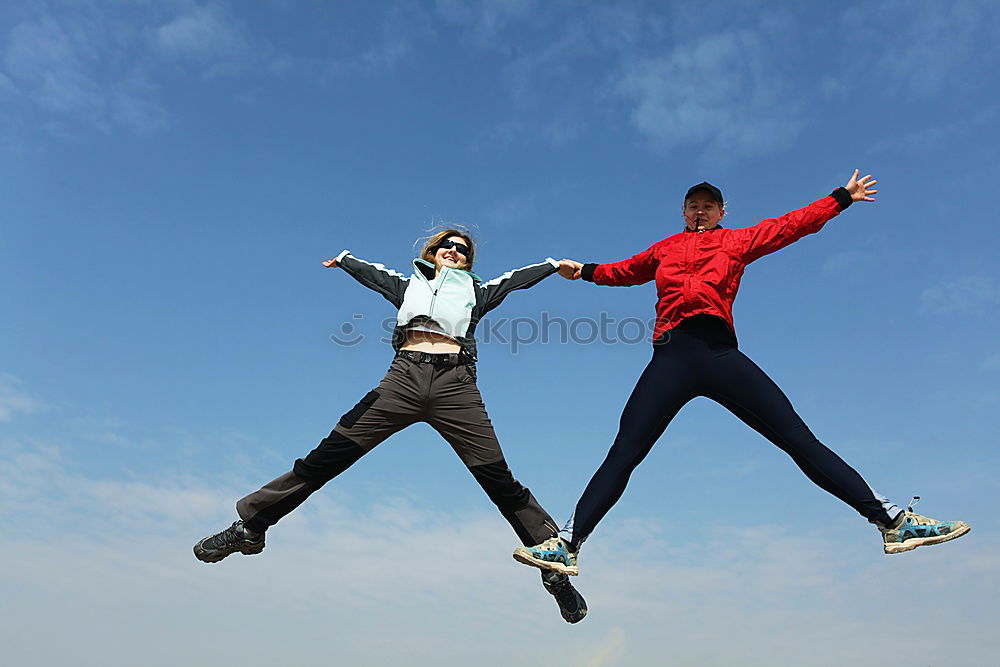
x=13 y=399
x=966 y=295
x=52 y=64
x=7 y=87
x=207 y=36
x=723 y=91
x=935 y=137
x=100 y=570
x=400 y=30
x=610 y=651
x=483 y=21
x=511 y=211
x=82 y=71
x=924 y=49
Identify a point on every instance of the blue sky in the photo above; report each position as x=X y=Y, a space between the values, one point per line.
x=175 y=171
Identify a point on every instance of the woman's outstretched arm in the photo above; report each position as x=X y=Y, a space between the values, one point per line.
x=390 y=284
x=496 y=290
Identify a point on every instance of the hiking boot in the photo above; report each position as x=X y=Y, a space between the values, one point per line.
x=214 y=548
x=552 y=554
x=911 y=530
x=572 y=606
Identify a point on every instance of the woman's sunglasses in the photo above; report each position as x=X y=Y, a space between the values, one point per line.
x=462 y=249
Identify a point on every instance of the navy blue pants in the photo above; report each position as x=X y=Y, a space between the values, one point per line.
x=700 y=358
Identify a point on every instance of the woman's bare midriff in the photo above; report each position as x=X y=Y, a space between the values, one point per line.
x=427 y=341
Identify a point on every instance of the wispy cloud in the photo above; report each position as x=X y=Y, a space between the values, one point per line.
x=401 y=29
x=920 y=50
x=937 y=136
x=440 y=581
x=484 y=21
x=720 y=91
x=104 y=67
x=965 y=295
x=609 y=651
x=206 y=35
x=14 y=400
x=510 y=211
x=81 y=71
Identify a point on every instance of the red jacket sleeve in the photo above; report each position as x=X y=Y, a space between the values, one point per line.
x=636 y=270
x=775 y=233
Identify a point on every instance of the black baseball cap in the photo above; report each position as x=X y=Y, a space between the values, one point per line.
x=713 y=191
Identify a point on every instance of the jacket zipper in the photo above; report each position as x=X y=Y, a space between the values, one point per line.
x=691 y=247
x=434 y=294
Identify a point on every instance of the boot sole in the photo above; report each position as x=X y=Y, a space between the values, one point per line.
x=571 y=617
x=522 y=555
x=215 y=556
x=913 y=543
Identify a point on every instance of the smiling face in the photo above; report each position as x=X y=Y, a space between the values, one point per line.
x=451 y=257
x=702 y=212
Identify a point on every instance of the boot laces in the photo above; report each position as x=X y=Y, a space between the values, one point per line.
x=232 y=535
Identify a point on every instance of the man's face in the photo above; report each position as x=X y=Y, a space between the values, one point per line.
x=702 y=212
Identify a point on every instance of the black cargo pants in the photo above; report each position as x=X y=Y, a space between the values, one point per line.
x=437 y=390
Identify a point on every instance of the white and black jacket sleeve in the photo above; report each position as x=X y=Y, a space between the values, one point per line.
x=493 y=292
x=390 y=284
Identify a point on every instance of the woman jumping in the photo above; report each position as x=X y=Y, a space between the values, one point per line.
x=697 y=273
x=432 y=379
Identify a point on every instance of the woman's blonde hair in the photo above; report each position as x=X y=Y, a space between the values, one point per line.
x=430 y=246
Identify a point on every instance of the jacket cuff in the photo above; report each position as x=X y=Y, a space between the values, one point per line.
x=552 y=262
x=588 y=272
x=341 y=256
x=843 y=198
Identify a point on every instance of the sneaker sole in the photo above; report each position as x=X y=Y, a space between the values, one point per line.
x=911 y=544
x=522 y=555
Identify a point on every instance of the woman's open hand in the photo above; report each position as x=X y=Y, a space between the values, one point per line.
x=861 y=189
x=570 y=269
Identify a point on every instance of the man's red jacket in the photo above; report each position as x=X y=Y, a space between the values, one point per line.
x=699 y=272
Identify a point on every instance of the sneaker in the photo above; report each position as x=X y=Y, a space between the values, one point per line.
x=572 y=606
x=214 y=548
x=552 y=554
x=911 y=530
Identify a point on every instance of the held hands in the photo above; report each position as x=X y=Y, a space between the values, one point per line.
x=570 y=269
x=860 y=189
